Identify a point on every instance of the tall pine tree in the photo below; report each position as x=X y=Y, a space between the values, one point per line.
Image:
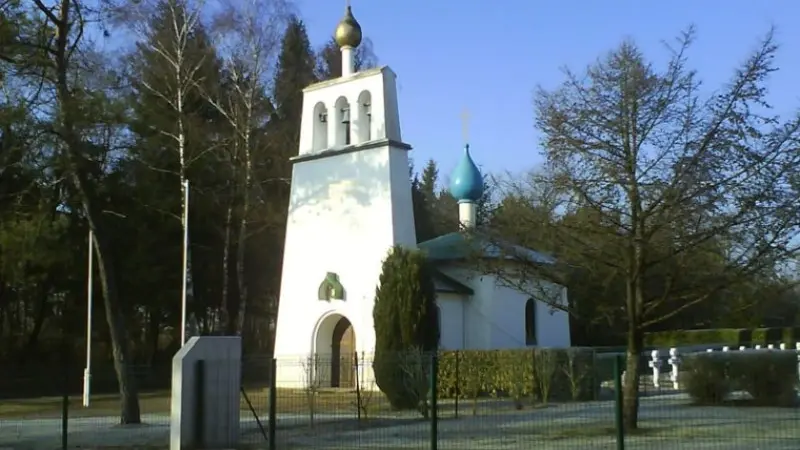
x=423 y=223
x=329 y=59
x=296 y=64
x=295 y=71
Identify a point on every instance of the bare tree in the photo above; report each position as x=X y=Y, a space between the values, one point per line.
x=416 y=366
x=249 y=34
x=61 y=55
x=173 y=43
x=311 y=385
x=661 y=175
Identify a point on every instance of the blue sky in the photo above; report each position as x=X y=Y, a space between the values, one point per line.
x=489 y=56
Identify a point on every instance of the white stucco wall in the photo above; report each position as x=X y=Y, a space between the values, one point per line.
x=508 y=318
x=452 y=309
x=552 y=325
x=494 y=317
x=475 y=309
x=384 y=119
x=346 y=210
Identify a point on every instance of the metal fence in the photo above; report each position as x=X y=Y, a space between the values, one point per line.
x=355 y=415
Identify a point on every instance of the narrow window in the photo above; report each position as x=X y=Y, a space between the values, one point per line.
x=438 y=324
x=364 y=125
x=346 y=122
x=342 y=122
x=320 y=119
x=530 y=322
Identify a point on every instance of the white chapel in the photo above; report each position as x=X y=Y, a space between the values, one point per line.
x=350 y=202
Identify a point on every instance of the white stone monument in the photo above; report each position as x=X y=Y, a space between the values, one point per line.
x=206 y=416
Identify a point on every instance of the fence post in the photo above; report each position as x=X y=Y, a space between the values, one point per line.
x=358 y=388
x=458 y=382
x=434 y=405
x=273 y=402
x=618 y=402
x=65 y=408
x=200 y=403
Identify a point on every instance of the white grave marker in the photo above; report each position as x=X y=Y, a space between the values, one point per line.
x=655 y=364
x=675 y=361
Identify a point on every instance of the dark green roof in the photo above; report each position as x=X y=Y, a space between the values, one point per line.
x=448 y=247
x=459 y=246
x=450 y=284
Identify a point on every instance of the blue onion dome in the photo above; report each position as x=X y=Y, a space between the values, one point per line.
x=466 y=181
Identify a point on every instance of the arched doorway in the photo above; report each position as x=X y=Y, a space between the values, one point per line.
x=343 y=347
x=335 y=347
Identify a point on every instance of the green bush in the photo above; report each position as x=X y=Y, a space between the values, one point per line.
x=726 y=336
x=790 y=336
x=542 y=374
x=773 y=336
x=770 y=377
x=604 y=368
x=758 y=337
x=705 y=377
x=746 y=337
x=576 y=375
x=679 y=338
x=405 y=317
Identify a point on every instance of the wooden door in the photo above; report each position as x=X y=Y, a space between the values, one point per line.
x=343 y=354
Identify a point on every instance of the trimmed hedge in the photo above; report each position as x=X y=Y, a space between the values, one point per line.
x=536 y=374
x=733 y=337
x=770 y=377
x=678 y=338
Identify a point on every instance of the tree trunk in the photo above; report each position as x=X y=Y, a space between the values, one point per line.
x=240 y=262
x=38 y=321
x=75 y=156
x=153 y=335
x=635 y=303
x=198 y=303
x=129 y=399
x=227 y=319
x=242 y=241
x=630 y=402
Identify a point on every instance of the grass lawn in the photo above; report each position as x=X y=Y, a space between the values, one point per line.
x=333 y=401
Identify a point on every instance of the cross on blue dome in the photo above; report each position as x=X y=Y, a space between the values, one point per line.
x=466 y=181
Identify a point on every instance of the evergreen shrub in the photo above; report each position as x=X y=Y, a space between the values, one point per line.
x=768 y=376
x=405 y=317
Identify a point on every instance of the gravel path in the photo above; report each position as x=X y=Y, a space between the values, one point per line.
x=667 y=421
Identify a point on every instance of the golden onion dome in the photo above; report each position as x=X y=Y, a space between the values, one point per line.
x=348 y=32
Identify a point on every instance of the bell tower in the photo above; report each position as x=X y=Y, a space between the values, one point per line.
x=350 y=202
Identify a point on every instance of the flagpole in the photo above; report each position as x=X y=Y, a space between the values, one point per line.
x=185 y=258
x=87 y=372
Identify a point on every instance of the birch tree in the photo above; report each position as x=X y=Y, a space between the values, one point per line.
x=249 y=34
x=174 y=43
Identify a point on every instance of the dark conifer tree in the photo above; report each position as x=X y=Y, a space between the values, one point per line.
x=405 y=316
x=329 y=59
x=153 y=162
